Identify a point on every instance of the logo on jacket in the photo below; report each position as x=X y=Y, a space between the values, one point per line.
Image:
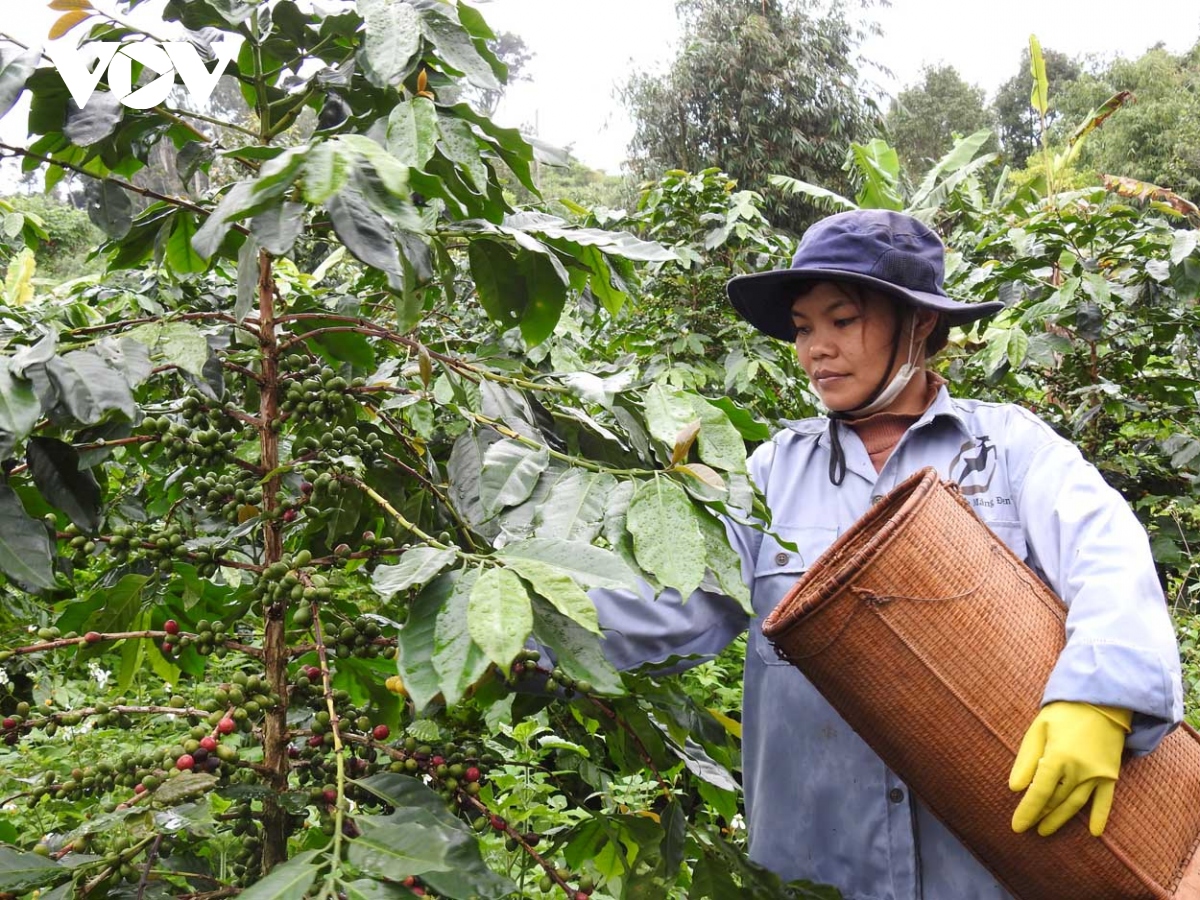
x=974 y=466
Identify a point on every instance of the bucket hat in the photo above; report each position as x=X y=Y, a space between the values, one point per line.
x=887 y=251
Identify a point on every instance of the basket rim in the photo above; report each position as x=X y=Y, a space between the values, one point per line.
x=818 y=586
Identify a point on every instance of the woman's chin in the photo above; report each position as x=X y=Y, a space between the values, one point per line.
x=839 y=401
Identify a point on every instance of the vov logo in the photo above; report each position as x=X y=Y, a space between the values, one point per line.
x=165 y=59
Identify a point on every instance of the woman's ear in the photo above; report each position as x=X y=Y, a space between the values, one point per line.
x=924 y=321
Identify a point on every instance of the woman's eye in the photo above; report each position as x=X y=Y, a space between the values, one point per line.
x=802 y=330
x=842 y=323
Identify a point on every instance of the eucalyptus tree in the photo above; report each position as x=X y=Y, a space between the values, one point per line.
x=757 y=87
x=924 y=117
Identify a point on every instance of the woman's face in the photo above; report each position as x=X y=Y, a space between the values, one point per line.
x=844 y=344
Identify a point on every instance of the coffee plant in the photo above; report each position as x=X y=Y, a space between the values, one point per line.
x=302 y=499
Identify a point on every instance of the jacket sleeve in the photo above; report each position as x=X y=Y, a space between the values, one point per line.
x=640 y=628
x=1093 y=552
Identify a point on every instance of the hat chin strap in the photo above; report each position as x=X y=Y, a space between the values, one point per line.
x=898 y=383
x=879 y=399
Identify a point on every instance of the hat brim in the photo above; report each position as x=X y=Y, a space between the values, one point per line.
x=764 y=298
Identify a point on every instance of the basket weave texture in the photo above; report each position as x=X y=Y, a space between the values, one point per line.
x=934 y=642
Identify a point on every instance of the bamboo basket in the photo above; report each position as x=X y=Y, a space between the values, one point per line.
x=934 y=642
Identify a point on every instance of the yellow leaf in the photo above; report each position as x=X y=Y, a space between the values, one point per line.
x=70 y=4
x=426 y=366
x=18 y=281
x=733 y=726
x=704 y=473
x=422 y=82
x=68 y=21
x=246 y=513
x=684 y=440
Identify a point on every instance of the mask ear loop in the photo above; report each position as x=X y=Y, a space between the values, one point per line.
x=837 y=455
x=899 y=382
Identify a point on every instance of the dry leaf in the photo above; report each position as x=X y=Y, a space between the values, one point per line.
x=705 y=474
x=68 y=21
x=684 y=441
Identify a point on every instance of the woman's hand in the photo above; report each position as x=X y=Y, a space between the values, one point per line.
x=1071 y=752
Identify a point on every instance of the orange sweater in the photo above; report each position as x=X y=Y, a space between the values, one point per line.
x=881 y=432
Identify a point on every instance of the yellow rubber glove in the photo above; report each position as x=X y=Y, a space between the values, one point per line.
x=1071 y=752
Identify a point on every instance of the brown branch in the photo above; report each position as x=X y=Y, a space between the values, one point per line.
x=119 y=182
x=144 y=320
x=150 y=857
x=275 y=650
x=59 y=643
x=96 y=445
x=114 y=866
x=199 y=117
x=242 y=370
x=642 y=751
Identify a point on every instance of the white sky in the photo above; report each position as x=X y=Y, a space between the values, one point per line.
x=584 y=49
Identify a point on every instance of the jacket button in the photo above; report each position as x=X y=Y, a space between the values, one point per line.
x=896 y=795
x=877 y=498
x=781 y=559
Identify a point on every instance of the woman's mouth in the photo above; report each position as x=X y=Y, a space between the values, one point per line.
x=828 y=379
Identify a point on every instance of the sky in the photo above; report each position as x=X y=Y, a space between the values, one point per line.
x=585 y=49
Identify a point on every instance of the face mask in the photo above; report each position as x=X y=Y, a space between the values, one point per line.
x=898 y=383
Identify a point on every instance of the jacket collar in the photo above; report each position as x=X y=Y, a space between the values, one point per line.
x=943 y=407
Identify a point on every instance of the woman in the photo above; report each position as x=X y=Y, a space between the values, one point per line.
x=864 y=304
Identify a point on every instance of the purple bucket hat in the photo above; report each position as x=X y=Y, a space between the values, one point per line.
x=879 y=249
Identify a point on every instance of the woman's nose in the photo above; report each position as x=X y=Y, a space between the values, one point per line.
x=818 y=347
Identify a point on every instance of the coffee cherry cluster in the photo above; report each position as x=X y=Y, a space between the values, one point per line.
x=287 y=582
x=226 y=495
x=24 y=719
x=339 y=441
x=202 y=436
x=450 y=768
x=80 y=545
x=246 y=860
x=141 y=773
x=321 y=768
x=355 y=638
x=238 y=704
x=160 y=547
x=208 y=639
x=107 y=717
x=120 y=851
x=586 y=884
x=315 y=390
x=10 y=726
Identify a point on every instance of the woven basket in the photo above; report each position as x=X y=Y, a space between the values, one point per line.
x=935 y=642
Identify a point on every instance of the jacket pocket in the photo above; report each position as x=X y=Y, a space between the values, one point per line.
x=776 y=570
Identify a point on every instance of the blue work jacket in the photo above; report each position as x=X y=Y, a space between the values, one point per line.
x=821 y=804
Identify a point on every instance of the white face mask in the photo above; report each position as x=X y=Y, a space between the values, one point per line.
x=898 y=383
